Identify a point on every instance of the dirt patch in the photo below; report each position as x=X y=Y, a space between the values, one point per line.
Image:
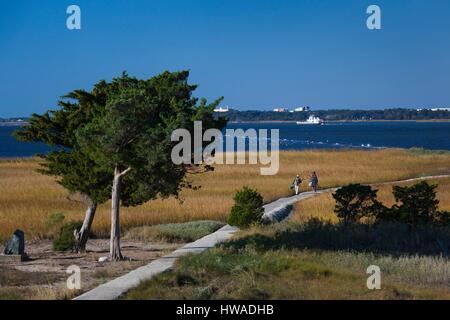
x=44 y=275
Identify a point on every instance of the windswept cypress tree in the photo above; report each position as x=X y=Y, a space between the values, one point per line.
x=115 y=142
x=74 y=168
x=132 y=139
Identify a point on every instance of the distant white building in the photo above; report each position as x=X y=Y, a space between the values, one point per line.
x=434 y=109
x=302 y=109
x=220 y=109
x=280 y=110
x=440 y=109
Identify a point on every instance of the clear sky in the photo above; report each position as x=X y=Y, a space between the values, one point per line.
x=259 y=54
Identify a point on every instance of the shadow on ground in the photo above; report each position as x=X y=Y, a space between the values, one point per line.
x=392 y=238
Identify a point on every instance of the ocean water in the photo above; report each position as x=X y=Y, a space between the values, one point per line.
x=365 y=135
x=11 y=148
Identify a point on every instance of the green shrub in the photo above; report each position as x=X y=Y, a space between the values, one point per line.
x=355 y=201
x=247 y=209
x=66 y=240
x=418 y=203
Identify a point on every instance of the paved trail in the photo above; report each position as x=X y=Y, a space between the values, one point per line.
x=274 y=211
x=280 y=209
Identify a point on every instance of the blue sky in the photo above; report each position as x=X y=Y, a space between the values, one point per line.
x=258 y=54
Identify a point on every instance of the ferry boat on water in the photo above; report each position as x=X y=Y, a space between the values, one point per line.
x=311 y=120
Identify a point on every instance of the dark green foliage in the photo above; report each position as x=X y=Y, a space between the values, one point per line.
x=75 y=169
x=66 y=240
x=355 y=201
x=122 y=125
x=133 y=139
x=418 y=204
x=247 y=209
x=135 y=132
x=129 y=119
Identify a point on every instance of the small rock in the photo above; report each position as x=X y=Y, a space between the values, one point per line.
x=16 y=245
x=102 y=259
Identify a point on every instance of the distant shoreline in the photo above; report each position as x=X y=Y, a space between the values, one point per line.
x=24 y=123
x=337 y=121
x=13 y=124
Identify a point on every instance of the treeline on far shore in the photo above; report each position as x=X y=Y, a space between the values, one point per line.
x=12 y=120
x=327 y=115
x=340 y=115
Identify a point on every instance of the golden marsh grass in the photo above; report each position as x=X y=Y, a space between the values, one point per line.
x=27 y=197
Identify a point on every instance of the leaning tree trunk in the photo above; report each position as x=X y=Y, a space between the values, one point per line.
x=82 y=235
x=114 y=249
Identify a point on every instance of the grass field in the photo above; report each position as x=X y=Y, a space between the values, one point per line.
x=298 y=274
x=174 y=232
x=269 y=263
x=27 y=198
x=322 y=206
x=301 y=260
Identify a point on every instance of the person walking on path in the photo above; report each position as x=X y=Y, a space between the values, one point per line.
x=296 y=183
x=314 y=181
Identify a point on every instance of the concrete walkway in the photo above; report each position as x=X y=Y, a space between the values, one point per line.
x=113 y=289
x=117 y=287
x=275 y=211
x=280 y=209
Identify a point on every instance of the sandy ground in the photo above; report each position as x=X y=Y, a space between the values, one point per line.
x=44 y=276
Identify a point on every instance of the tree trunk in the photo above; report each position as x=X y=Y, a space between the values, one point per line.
x=82 y=236
x=114 y=250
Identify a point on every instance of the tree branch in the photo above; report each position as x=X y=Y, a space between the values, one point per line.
x=124 y=172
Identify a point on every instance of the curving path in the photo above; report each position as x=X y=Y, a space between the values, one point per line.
x=275 y=211
x=280 y=209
